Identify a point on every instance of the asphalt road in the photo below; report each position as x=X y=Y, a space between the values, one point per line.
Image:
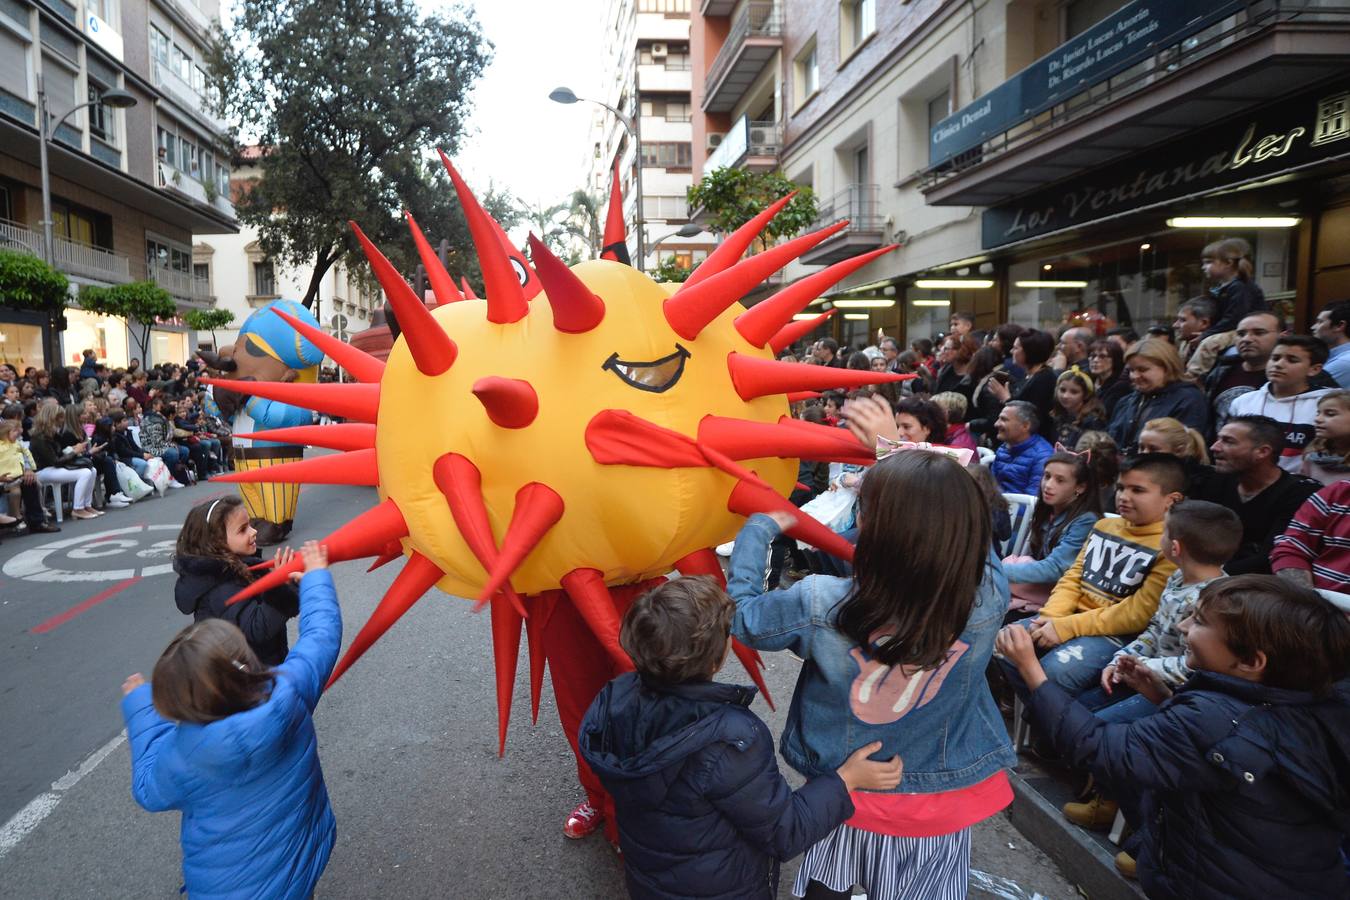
x=407 y=739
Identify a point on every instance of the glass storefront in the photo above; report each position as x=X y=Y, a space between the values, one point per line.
x=21 y=345
x=168 y=347
x=928 y=312
x=105 y=335
x=1140 y=282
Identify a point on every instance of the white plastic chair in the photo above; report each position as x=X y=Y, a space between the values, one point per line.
x=986 y=455
x=55 y=488
x=135 y=433
x=1020 y=507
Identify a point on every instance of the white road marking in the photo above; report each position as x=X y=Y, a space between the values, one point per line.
x=40 y=807
x=31 y=564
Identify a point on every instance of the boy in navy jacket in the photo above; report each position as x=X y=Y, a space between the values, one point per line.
x=701 y=807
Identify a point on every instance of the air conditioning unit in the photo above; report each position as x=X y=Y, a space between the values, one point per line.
x=761 y=136
x=660 y=51
x=715 y=139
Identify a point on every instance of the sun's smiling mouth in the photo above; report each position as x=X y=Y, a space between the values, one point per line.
x=656 y=376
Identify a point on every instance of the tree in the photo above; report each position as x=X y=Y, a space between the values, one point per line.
x=547 y=224
x=27 y=282
x=208 y=320
x=346 y=95
x=141 y=303
x=671 y=270
x=731 y=197
x=584 y=223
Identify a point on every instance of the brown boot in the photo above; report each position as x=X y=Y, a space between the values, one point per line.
x=269 y=533
x=1096 y=814
x=1125 y=865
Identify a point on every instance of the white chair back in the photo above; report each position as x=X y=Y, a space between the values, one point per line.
x=986 y=455
x=1020 y=508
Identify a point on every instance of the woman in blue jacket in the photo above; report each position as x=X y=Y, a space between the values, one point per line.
x=231 y=744
x=1159 y=391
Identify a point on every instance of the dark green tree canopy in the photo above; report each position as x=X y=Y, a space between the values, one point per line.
x=347 y=96
x=27 y=282
x=731 y=197
x=141 y=303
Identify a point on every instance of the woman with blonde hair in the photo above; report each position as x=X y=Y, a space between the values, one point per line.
x=1169 y=436
x=1160 y=390
x=60 y=459
x=1228 y=263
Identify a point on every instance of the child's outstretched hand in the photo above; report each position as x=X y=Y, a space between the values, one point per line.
x=869 y=417
x=315 y=555
x=133 y=681
x=1149 y=684
x=1014 y=642
x=862 y=774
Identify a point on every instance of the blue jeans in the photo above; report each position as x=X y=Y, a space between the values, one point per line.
x=173 y=456
x=139 y=465
x=1076 y=665
x=1120 y=707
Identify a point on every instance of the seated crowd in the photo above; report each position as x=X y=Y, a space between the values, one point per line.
x=110 y=437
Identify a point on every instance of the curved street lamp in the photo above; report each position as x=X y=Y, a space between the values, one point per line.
x=568 y=96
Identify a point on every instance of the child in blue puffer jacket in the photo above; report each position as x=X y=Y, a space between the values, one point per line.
x=231 y=744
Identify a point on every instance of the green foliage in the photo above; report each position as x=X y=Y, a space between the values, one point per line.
x=731 y=197
x=207 y=319
x=670 y=270
x=141 y=303
x=346 y=94
x=26 y=282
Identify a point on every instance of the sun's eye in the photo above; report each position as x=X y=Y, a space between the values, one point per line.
x=657 y=376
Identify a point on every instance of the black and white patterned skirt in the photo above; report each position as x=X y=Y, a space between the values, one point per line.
x=887 y=867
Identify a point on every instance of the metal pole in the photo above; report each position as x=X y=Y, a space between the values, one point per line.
x=637 y=149
x=47 y=254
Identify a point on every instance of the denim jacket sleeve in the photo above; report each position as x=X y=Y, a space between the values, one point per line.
x=767 y=620
x=1061 y=556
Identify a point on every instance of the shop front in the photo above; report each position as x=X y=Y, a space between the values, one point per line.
x=22 y=338
x=105 y=335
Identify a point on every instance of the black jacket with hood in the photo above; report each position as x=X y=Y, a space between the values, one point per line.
x=204 y=584
x=701 y=806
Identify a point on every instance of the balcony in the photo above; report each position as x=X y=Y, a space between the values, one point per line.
x=756 y=34
x=183 y=285
x=674 y=78
x=186 y=96
x=860 y=204
x=174 y=179
x=71 y=257
x=1214 y=70
x=748 y=145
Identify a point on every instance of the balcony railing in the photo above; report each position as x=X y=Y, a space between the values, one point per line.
x=181 y=284
x=71 y=257
x=178 y=180
x=169 y=81
x=755 y=19
x=859 y=203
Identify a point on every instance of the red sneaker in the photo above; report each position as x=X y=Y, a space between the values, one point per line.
x=584 y=820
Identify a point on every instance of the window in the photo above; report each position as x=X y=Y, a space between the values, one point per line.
x=1080 y=15
x=264 y=279
x=101 y=118
x=666 y=155
x=180 y=61
x=201 y=271
x=857 y=21
x=159 y=46
x=14 y=64
x=198 y=79
x=105 y=10
x=939 y=108
x=862 y=172
x=671 y=208
x=161 y=254
x=806 y=74
x=59 y=82
x=670 y=110
x=678 y=7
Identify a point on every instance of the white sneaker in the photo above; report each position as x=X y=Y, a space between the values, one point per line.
x=114 y=503
x=725 y=549
x=119 y=497
x=175 y=483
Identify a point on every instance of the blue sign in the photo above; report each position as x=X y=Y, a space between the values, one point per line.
x=1122 y=39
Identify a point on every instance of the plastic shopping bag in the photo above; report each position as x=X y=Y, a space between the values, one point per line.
x=131 y=483
x=157 y=474
x=833 y=509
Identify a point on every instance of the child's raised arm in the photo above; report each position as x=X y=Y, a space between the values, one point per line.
x=146 y=732
x=312 y=658
x=766 y=620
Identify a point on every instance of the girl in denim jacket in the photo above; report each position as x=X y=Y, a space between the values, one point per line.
x=895 y=654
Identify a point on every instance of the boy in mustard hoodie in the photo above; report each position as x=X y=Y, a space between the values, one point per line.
x=1111 y=591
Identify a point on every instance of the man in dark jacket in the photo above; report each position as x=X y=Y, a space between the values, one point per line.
x=701 y=807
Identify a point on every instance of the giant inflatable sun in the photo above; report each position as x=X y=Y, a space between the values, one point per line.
x=577 y=429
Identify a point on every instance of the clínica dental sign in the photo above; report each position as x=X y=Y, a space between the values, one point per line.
x=1291 y=134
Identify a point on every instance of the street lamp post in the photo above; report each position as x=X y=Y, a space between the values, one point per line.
x=688 y=230
x=115 y=98
x=633 y=127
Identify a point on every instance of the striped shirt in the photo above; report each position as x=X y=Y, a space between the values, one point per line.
x=1318 y=539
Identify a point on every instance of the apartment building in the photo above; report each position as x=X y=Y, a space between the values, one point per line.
x=646 y=76
x=131 y=188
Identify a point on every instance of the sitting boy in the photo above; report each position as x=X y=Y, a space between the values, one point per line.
x=701 y=807
x=1241 y=776
x=1112 y=590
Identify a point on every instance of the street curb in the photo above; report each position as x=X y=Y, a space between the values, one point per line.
x=1083 y=861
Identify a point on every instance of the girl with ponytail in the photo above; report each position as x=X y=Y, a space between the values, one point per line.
x=1228 y=264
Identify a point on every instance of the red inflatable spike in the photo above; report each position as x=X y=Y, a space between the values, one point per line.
x=350 y=401
x=361 y=364
x=760 y=322
x=541 y=607
x=745 y=439
x=338 y=436
x=754 y=377
x=798 y=396
x=442 y=285
x=385 y=559
x=510 y=402
x=616 y=437
x=366 y=535
x=530 y=286
x=356 y=467
x=615 y=245
x=705 y=562
x=746 y=500
x=506 y=624
x=413 y=581
x=575 y=308
x=802 y=487
x=792 y=332
x=538 y=508
x=587 y=590
x=505 y=297
x=468 y=289
x=733 y=248
x=692 y=308
x=719 y=460
x=461 y=484
x=431 y=348
x=265 y=564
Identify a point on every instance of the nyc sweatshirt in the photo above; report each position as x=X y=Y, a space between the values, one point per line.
x=1114 y=585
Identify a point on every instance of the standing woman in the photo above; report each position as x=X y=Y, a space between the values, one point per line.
x=1228 y=264
x=1159 y=390
x=898 y=660
x=53 y=454
x=1106 y=364
x=1032 y=351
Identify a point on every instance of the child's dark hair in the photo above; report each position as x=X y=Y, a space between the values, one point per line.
x=813 y=413
x=208 y=672
x=1105 y=455
x=1088 y=501
x=1317 y=350
x=1305 y=638
x=1210 y=533
x=203 y=534
x=1164 y=469
x=925 y=611
x=993 y=494
x=678 y=631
